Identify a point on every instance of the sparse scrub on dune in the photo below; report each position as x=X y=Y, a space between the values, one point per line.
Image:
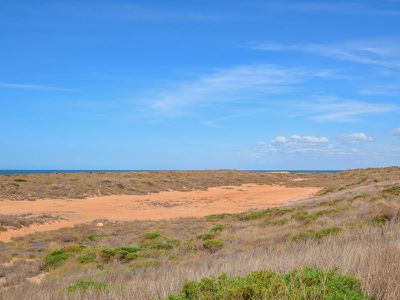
x=206 y=236
x=213 y=244
x=381 y=219
x=124 y=254
x=355 y=230
x=86 y=285
x=395 y=190
x=95 y=236
x=276 y=222
x=255 y=215
x=162 y=245
x=302 y=284
x=316 y=234
x=55 y=259
x=152 y=235
x=86 y=258
x=217 y=228
x=217 y=217
x=307 y=217
x=331 y=190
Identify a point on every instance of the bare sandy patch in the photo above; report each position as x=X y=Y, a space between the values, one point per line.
x=164 y=205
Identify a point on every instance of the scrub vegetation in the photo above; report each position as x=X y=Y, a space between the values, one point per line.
x=340 y=244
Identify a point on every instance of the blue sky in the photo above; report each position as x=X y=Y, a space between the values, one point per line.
x=199 y=84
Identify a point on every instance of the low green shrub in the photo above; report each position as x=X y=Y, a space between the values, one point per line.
x=217 y=216
x=107 y=254
x=298 y=285
x=316 y=234
x=306 y=217
x=381 y=220
x=132 y=249
x=86 y=258
x=161 y=246
x=218 y=228
x=152 y=235
x=85 y=285
x=331 y=190
x=130 y=256
x=249 y=216
x=119 y=253
x=145 y=263
x=213 y=244
x=55 y=259
x=206 y=236
x=95 y=236
x=395 y=190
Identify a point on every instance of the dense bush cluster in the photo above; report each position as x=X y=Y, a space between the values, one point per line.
x=304 y=284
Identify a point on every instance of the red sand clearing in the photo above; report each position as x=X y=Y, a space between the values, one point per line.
x=164 y=205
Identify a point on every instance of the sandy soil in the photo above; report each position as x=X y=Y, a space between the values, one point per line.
x=164 y=205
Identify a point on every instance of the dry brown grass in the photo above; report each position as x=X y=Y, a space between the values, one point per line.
x=367 y=246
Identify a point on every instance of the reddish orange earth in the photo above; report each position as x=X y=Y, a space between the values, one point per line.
x=164 y=205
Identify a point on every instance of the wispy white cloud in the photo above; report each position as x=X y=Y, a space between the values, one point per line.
x=381 y=90
x=237 y=84
x=332 y=108
x=258 y=88
x=27 y=86
x=356 y=137
x=383 y=53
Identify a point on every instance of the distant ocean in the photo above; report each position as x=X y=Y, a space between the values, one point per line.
x=94 y=171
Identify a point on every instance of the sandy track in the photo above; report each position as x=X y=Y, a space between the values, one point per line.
x=164 y=205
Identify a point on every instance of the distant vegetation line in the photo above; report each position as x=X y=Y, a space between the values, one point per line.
x=17 y=172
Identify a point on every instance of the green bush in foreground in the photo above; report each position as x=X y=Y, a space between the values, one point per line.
x=304 y=284
x=85 y=285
